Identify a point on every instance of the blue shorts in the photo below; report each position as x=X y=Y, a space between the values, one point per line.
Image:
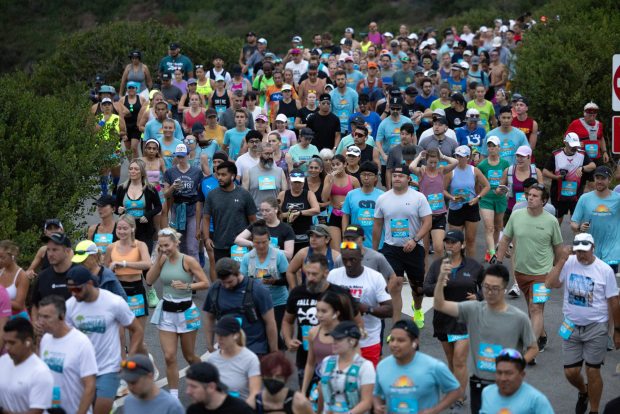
x=107 y=385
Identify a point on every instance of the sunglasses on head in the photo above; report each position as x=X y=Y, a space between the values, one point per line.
x=130 y=365
x=511 y=354
x=200 y=66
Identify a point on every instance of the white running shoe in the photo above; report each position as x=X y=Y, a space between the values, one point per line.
x=514 y=291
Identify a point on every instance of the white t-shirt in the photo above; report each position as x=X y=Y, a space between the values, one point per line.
x=401 y=215
x=235 y=372
x=367 y=288
x=100 y=321
x=244 y=163
x=297 y=68
x=365 y=376
x=586 y=290
x=70 y=359
x=429 y=133
x=26 y=386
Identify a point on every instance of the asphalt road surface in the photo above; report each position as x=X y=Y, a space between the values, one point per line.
x=547 y=375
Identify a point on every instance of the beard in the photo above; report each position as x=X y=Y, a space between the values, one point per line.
x=267 y=163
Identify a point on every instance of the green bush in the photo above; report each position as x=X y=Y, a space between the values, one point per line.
x=105 y=50
x=49 y=160
x=565 y=64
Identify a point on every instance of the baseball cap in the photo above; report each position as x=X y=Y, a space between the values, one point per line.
x=53 y=222
x=220 y=78
x=349 y=30
x=407 y=325
x=270 y=55
x=353 y=231
x=400 y=169
x=281 y=118
x=306 y=133
x=411 y=90
x=583 y=242
x=198 y=127
x=262 y=41
x=346 y=329
x=497 y=41
x=204 y=372
x=418 y=71
x=173 y=46
x=165 y=76
x=262 y=117
x=388 y=34
x=494 y=140
x=440 y=119
x=439 y=112
x=520 y=98
x=394 y=43
x=105 y=200
x=325 y=97
x=286 y=87
x=405 y=59
x=412 y=36
x=316 y=51
x=373 y=65
x=319 y=230
x=468 y=53
x=135 y=367
x=296 y=39
x=589 y=105
x=472 y=114
x=348 y=59
x=106 y=100
x=456 y=66
x=455 y=235
x=604 y=171
x=354 y=150
x=79 y=275
x=396 y=101
x=524 y=150
x=60 y=239
x=84 y=249
x=462 y=151
x=464 y=65
x=572 y=139
x=228 y=325
x=210 y=112
x=192 y=81
x=329 y=85
x=99 y=78
x=475 y=60
x=297 y=176
x=180 y=151
x=133 y=84
x=358 y=120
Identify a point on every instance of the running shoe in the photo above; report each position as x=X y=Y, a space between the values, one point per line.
x=582 y=403
x=487 y=257
x=418 y=317
x=542 y=343
x=151 y=297
x=514 y=291
x=156 y=371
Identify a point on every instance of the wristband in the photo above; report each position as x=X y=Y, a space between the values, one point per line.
x=124 y=263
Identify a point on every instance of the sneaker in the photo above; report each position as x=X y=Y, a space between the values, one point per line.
x=156 y=371
x=514 y=291
x=418 y=317
x=532 y=362
x=582 y=403
x=487 y=257
x=151 y=297
x=542 y=343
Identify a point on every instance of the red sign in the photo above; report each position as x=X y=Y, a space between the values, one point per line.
x=615 y=83
x=615 y=134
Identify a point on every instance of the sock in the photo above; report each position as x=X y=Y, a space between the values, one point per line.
x=175 y=393
x=492 y=252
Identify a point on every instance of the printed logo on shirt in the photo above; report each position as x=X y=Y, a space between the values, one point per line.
x=54 y=360
x=580 y=290
x=402 y=396
x=601 y=211
x=356 y=292
x=91 y=324
x=309 y=315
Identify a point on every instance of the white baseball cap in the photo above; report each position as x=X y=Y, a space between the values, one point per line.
x=494 y=140
x=462 y=151
x=524 y=151
x=281 y=117
x=583 y=242
x=572 y=139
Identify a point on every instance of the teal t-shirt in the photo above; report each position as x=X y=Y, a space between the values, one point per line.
x=234 y=140
x=298 y=154
x=361 y=210
x=527 y=400
x=493 y=173
x=508 y=143
x=389 y=133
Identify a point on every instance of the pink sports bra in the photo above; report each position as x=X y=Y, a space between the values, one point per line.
x=342 y=191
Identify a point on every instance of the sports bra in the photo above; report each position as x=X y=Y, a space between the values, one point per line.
x=12 y=288
x=342 y=191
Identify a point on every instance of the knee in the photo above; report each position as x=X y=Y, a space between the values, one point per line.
x=593 y=371
x=170 y=358
x=535 y=309
x=572 y=372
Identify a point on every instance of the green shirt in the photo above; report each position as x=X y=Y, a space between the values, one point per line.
x=261 y=83
x=535 y=238
x=493 y=173
x=486 y=112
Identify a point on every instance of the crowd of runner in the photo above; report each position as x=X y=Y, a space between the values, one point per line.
x=303 y=192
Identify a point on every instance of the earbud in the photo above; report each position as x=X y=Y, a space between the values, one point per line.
x=414 y=345
x=334 y=316
x=27 y=343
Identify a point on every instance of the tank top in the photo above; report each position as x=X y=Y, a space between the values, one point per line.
x=241 y=86
x=175 y=271
x=216 y=133
x=12 y=289
x=432 y=188
x=320 y=349
x=136 y=207
x=220 y=103
x=134 y=110
x=132 y=256
x=302 y=224
x=525 y=126
x=290 y=110
x=204 y=90
x=517 y=190
x=137 y=76
x=356 y=174
x=191 y=120
x=318 y=193
x=463 y=184
x=102 y=240
x=342 y=191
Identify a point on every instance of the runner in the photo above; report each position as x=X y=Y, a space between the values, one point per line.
x=300 y=154
x=318 y=237
x=265 y=180
x=522 y=120
x=41 y=261
x=13 y=278
x=510 y=138
x=515 y=175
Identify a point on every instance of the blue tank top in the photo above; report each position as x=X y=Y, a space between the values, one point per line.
x=463 y=185
x=134 y=207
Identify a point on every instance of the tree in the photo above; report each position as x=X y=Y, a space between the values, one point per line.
x=566 y=63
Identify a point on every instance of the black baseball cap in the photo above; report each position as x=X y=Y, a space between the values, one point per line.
x=54 y=222
x=604 y=171
x=346 y=329
x=135 y=367
x=353 y=231
x=60 y=239
x=454 y=235
x=358 y=120
x=197 y=127
x=409 y=326
x=105 y=200
x=411 y=90
x=80 y=275
x=205 y=373
x=306 y=133
x=325 y=97
x=228 y=325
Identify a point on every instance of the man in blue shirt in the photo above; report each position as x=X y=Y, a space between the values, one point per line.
x=410 y=381
x=510 y=138
x=471 y=134
x=175 y=60
x=154 y=128
x=426 y=97
x=344 y=101
x=510 y=393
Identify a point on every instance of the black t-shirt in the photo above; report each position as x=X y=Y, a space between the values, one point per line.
x=283 y=232
x=230 y=405
x=304 y=113
x=302 y=304
x=455 y=118
x=50 y=282
x=325 y=128
x=410 y=109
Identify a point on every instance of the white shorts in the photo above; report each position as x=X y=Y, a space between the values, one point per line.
x=177 y=321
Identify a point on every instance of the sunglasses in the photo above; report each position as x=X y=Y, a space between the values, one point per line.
x=83 y=252
x=76 y=288
x=511 y=354
x=359 y=135
x=591 y=111
x=581 y=243
x=349 y=245
x=130 y=365
x=200 y=66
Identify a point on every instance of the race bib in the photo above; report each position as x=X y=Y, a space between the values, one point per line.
x=591 y=150
x=136 y=304
x=274 y=242
x=220 y=109
x=569 y=188
x=305 y=330
x=540 y=293
x=442 y=163
x=56 y=400
x=400 y=228
x=494 y=177
x=102 y=240
x=520 y=197
x=454 y=338
x=192 y=318
x=365 y=217
x=462 y=194
x=436 y=201
x=237 y=252
x=291 y=122
x=566 y=329
x=486 y=356
x=266 y=182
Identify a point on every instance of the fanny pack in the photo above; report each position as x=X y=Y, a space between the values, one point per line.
x=176 y=307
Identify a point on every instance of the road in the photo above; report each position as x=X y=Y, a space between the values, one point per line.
x=547 y=375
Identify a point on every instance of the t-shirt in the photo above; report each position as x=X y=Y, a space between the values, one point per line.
x=348 y=140
x=560 y=160
x=298 y=154
x=549 y=208
x=447 y=145
x=100 y=321
x=493 y=174
x=191 y=180
x=234 y=139
x=402 y=215
x=26 y=386
x=168 y=150
x=244 y=163
x=229 y=211
x=168 y=64
x=70 y=359
x=337 y=403
x=425 y=102
x=163 y=403
x=236 y=371
x=297 y=68
x=415 y=386
x=373 y=260
x=491 y=331
x=526 y=400
x=230 y=303
x=466 y=136
x=230 y=405
x=279 y=234
x=536 y=237
x=368 y=288
x=50 y=282
x=302 y=304
x=360 y=207
x=279 y=294
x=487 y=112
x=603 y=214
x=5 y=303
x=325 y=128
x=508 y=143
x=388 y=133
x=586 y=290
x=456 y=118
x=371 y=121
x=154 y=129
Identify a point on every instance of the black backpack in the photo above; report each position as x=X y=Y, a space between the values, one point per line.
x=247 y=304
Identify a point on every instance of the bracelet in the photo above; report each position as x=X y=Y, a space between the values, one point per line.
x=124 y=263
x=188 y=286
